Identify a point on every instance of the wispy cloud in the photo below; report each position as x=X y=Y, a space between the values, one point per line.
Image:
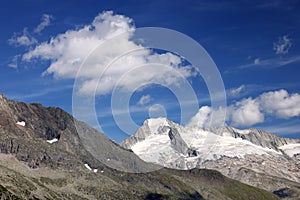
x=120 y=112
x=22 y=39
x=14 y=62
x=243 y=5
x=271 y=63
x=283 y=129
x=40 y=93
x=46 y=19
x=283 y=45
x=279 y=4
x=236 y=91
x=144 y=100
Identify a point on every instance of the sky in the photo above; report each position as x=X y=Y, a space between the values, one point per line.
x=92 y=59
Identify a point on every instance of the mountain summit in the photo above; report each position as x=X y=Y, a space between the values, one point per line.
x=245 y=155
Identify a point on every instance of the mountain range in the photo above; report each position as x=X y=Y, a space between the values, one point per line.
x=251 y=156
x=47 y=154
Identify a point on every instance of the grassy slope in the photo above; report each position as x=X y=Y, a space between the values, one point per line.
x=18 y=180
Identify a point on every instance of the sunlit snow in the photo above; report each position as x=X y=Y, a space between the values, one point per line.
x=22 y=123
x=52 y=141
x=154 y=124
x=209 y=146
x=88 y=167
x=291 y=149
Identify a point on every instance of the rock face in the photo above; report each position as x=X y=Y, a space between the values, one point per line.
x=42 y=126
x=231 y=151
x=177 y=142
x=46 y=154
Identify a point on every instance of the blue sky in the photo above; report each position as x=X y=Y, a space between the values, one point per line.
x=254 y=44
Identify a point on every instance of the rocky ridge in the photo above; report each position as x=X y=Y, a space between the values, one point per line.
x=244 y=155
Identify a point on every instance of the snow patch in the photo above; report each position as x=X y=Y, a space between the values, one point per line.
x=52 y=141
x=291 y=149
x=245 y=131
x=154 y=124
x=88 y=167
x=154 y=148
x=22 y=123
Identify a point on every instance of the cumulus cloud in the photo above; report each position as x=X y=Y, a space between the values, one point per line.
x=113 y=33
x=144 y=100
x=283 y=45
x=22 y=39
x=236 y=91
x=202 y=118
x=248 y=112
x=46 y=19
x=281 y=103
x=206 y=116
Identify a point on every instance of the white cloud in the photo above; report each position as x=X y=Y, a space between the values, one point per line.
x=14 y=62
x=236 y=91
x=22 y=39
x=248 y=112
x=207 y=116
x=256 y=61
x=67 y=52
x=202 y=118
x=46 y=19
x=272 y=62
x=283 y=45
x=144 y=100
x=281 y=103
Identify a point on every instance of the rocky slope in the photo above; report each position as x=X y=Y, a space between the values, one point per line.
x=46 y=154
x=23 y=124
x=252 y=156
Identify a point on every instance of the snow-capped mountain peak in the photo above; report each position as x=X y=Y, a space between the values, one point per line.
x=166 y=143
